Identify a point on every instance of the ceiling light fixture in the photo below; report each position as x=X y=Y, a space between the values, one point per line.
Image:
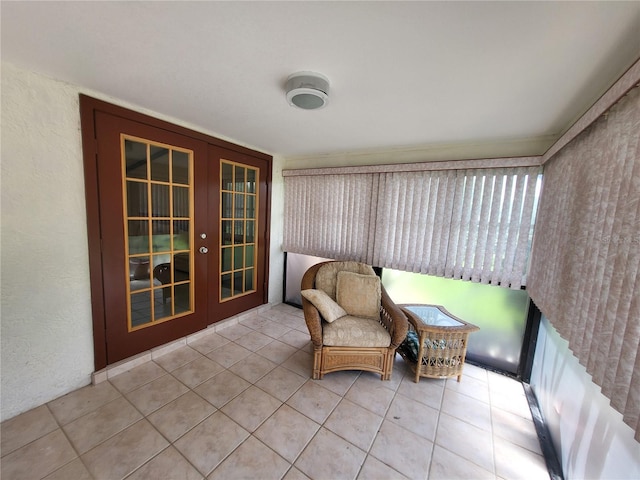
x=307 y=90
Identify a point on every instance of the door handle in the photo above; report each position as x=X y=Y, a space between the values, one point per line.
x=204 y=249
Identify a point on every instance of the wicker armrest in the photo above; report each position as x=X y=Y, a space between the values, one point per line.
x=394 y=319
x=314 y=322
x=311 y=314
x=413 y=323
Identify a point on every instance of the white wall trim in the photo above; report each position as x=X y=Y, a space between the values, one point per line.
x=419 y=167
x=630 y=79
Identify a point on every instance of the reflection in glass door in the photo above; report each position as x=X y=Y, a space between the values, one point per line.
x=158 y=212
x=238 y=242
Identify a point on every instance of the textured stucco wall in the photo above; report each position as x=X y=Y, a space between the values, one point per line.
x=46 y=333
x=45 y=324
x=276 y=255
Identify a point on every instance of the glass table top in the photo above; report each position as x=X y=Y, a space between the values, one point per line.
x=433 y=316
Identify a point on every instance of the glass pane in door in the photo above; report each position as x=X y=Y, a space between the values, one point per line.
x=238 y=214
x=158 y=206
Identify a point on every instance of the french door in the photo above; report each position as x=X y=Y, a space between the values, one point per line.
x=239 y=208
x=182 y=227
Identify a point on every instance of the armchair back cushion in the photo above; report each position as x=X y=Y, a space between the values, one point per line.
x=359 y=295
x=327 y=276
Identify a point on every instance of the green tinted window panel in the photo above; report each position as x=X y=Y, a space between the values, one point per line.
x=238 y=257
x=499 y=312
x=181 y=235
x=248 y=280
x=248 y=256
x=138 y=238
x=226 y=259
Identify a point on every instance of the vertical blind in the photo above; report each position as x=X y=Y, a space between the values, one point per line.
x=465 y=224
x=329 y=216
x=471 y=224
x=586 y=255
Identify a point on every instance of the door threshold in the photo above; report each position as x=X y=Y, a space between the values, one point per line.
x=122 y=366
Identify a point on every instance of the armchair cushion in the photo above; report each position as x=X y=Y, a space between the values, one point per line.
x=327 y=276
x=350 y=331
x=359 y=294
x=329 y=309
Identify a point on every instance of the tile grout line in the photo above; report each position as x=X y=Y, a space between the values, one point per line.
x=278 y=364
x=171 y=444
x=493 y=440
x=144 y=417
x=440 y=412
x=435 y=434
x=384 y=417
x=306 y=445
x=78 y=456
x=222 y=413
x=251 y=434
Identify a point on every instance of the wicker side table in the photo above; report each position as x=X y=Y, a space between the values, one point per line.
x=442 y=341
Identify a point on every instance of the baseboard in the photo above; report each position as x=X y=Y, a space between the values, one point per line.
x=128 y=363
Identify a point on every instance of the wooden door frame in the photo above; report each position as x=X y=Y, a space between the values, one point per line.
x=88 y=108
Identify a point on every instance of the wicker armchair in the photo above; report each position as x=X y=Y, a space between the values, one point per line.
x=389 y=327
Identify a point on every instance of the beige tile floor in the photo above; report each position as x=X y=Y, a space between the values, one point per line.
x=240 y=404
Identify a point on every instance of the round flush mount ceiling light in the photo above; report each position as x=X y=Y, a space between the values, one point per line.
x=307 y=90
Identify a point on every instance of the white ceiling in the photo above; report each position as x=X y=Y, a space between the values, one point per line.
x=403 y=74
